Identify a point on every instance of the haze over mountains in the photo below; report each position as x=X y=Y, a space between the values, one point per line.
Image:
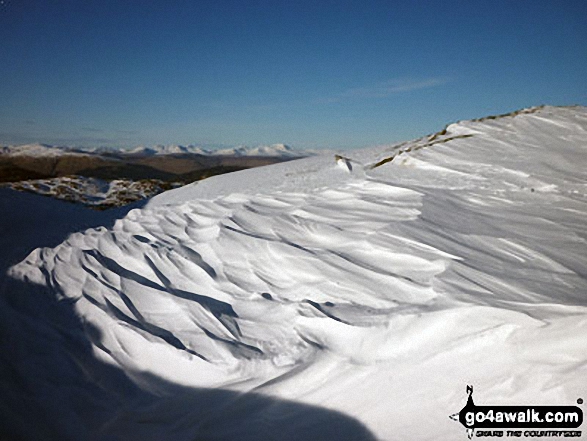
x=41 y=168
x=39 y=150
x=33 y=161
x=348 y=297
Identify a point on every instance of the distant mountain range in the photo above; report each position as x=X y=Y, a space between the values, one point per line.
x=45 y=150
x=72 y=174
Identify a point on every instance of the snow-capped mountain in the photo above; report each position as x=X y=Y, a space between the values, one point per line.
x=38 y=150
x=274 y=150
x=167 y=150
x=333 y=297
x=45 y=150
x=270 y=150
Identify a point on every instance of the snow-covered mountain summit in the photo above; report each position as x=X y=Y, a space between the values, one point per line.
x=37 y=150
x=274 y=150
x=281 y=150
x=376 y=284
x=46 y=150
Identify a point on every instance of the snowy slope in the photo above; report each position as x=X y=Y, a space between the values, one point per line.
x=348 y=297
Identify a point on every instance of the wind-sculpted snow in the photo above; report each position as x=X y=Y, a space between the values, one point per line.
x=218 y=279
x=378 y=288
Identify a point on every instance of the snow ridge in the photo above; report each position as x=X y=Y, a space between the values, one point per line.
x=377 y=284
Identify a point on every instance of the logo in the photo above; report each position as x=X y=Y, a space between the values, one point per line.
x=506 y=421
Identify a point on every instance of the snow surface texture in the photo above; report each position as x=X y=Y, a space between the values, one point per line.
x=347 y=297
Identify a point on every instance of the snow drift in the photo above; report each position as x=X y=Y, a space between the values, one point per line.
x=347 y=297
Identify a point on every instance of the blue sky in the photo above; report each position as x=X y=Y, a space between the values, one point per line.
x=312 y=74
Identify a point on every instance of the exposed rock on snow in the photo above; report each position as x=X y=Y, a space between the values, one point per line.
x=95 y=192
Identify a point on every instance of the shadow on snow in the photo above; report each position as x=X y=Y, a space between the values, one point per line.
x=53 y=388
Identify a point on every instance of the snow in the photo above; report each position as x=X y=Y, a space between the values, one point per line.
x=278 y=150
x=92 y=191
x=348 y=297
x=37 y=150
x=166 y=150
x=274 y=150
x=45 y=150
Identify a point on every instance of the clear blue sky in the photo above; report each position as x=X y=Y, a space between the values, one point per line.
x=307 y=73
